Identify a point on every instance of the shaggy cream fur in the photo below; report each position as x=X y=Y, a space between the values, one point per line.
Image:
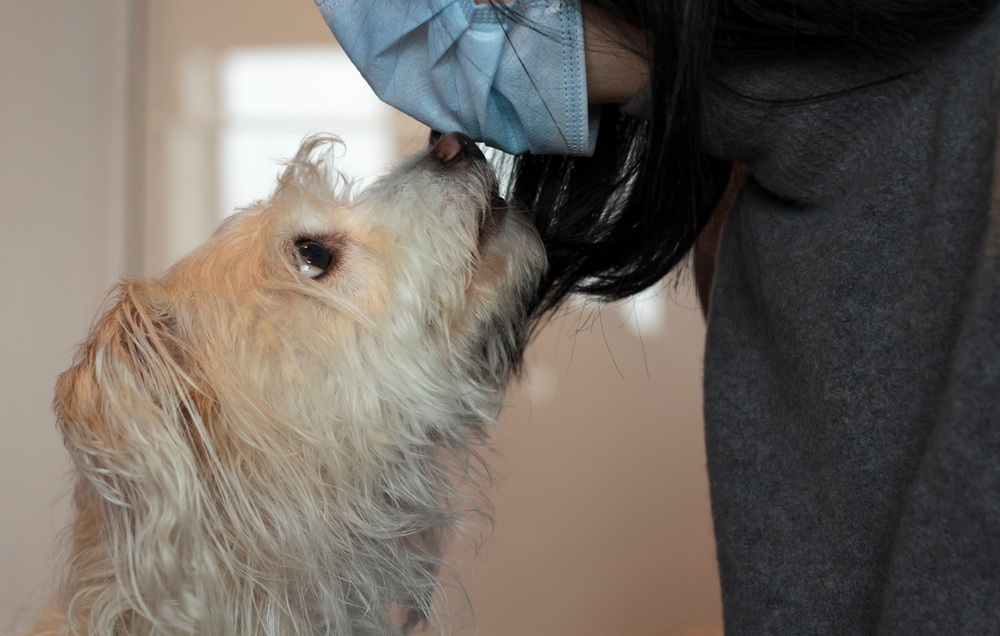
x=267 y=445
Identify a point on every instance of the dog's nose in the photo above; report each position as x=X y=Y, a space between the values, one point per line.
x=454 y=146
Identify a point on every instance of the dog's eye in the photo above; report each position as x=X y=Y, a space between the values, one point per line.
x=312 y=257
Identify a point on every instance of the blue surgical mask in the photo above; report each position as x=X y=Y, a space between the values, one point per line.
x=510 y=75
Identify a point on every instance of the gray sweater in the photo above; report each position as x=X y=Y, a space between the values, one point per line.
x=852 y=370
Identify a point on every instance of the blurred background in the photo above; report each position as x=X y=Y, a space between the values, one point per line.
x=130 y=128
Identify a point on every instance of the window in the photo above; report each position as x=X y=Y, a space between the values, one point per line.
x=271 y=98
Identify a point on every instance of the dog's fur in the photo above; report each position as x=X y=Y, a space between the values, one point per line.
x=260 y=452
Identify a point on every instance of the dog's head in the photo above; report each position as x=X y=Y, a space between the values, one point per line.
x=261 y=430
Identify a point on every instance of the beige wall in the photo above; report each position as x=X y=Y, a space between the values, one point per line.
x=602 y=515
x=602 y=519
x=62 y=199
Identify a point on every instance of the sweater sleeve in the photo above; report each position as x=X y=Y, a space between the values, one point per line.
x=852 y=360
x=944 y=573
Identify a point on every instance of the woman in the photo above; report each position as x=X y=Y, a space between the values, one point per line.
x=852 y=366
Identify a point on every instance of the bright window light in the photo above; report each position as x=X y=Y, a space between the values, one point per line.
x=646 y=312
x=272 y=98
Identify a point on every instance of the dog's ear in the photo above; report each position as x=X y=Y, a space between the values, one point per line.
x=127 y=416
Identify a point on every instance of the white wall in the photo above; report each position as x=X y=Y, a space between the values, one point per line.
x=63 y=69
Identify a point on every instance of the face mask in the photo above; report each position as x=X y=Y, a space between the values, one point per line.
x=510 y=75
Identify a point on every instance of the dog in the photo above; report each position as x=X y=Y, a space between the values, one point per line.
x=269 y=439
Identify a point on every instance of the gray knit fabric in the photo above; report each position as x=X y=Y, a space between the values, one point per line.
x=852 y=370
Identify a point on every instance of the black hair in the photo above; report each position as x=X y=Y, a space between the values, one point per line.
x=617 y=222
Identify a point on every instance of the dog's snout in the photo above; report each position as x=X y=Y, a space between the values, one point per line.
x=454 y=147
